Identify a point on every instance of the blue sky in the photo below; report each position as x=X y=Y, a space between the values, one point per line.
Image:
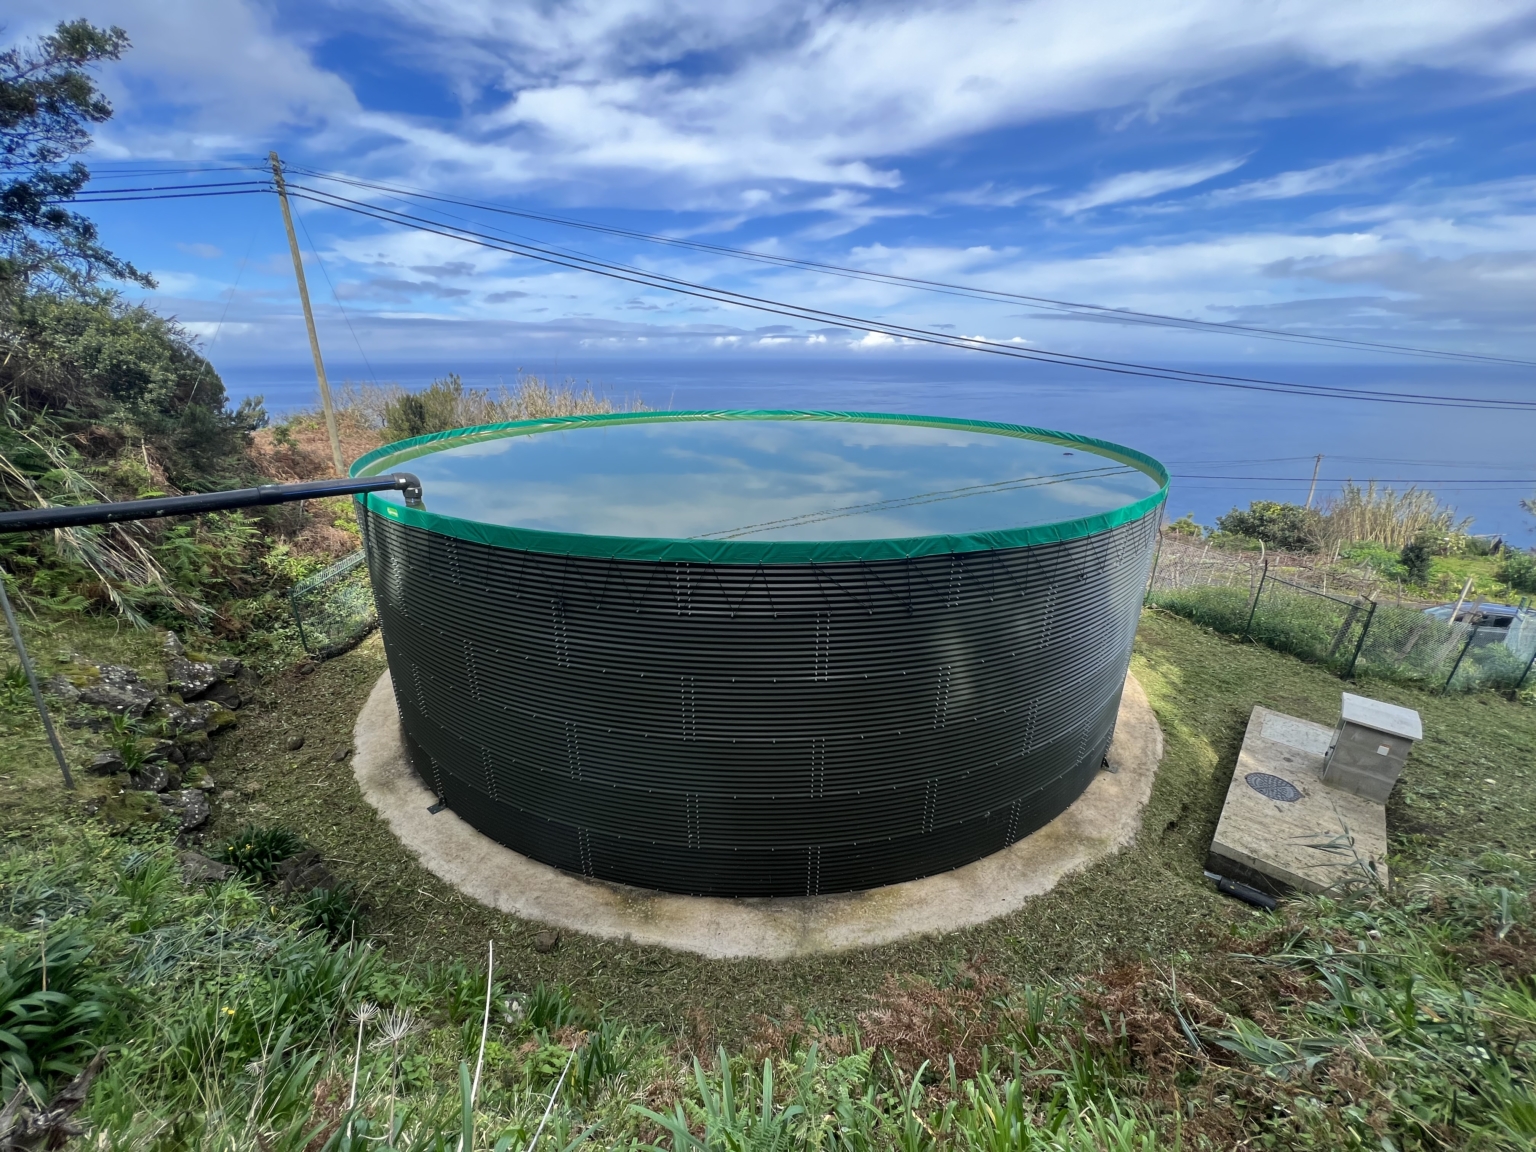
x=1359 y=168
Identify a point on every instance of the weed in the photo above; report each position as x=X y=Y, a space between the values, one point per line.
x=256 y=852
x=51 y=1003
x=15 y=688
x=335 y=911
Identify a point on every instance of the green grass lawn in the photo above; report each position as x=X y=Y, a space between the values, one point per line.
x=1470 y=786
x=1089 y=970
x=1150 y=900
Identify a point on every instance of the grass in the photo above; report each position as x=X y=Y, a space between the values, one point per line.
x=1118 y=1011
x=1150 y=901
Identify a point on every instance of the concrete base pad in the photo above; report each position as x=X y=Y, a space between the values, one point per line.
x=1282 y=829
x=1103 y=820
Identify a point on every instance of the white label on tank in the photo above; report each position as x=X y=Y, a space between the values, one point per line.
x=1383 y=749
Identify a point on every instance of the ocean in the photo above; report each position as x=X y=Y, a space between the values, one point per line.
x=1224 y=446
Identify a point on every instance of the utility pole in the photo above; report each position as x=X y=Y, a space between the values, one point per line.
x=309 y=315
x=1316 y=464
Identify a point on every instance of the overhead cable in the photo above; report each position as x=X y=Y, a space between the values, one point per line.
x=914 y=334
x=1124 y=315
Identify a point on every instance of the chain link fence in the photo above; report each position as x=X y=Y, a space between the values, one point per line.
x=1279 y=603
x=334 y=607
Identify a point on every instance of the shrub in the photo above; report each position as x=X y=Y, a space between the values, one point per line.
x=1518 y=570
x=435 y=409
x=256 y=852
x=1288 y=527
x=1185 y=526
x=1415 y=559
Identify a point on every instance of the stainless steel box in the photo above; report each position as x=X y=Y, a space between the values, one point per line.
x=1370 y=747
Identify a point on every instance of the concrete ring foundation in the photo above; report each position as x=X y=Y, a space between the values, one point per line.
x=1104 y=819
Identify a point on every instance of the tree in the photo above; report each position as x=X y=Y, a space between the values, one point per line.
x=1288 y=527
x=48 y=102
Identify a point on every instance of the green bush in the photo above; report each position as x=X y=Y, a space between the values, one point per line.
x=1288 y=527
x=1185 y=526
x=436 y=409
x=1415 y=559
x=1387 y=563
x=1518 y=570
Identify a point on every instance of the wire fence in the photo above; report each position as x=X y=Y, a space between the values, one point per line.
x=1349 y=632
x=334 y=608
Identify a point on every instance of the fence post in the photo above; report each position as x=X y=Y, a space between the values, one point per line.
x=1263 y=576
x=1471 y=636
x=1151 y=579
x=1520 y=683
x=1369 y=616
x=37 y=693
x=293 y=606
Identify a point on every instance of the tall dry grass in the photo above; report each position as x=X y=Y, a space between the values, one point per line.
x=530 y=398
x=1385 y=516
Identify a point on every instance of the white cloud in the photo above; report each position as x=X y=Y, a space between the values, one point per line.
x=834 y=93
x=1310 y=181
x=703 y=93
x=1129 y=186
x=989 y=195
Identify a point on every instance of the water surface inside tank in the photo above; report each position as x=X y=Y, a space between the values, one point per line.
x=728 y=478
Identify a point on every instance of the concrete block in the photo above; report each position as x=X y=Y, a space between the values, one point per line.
x=1282 y=828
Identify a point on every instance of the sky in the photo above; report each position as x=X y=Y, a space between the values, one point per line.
x=1354 y=168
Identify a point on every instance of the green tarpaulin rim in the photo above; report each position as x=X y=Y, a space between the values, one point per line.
x=399 y=454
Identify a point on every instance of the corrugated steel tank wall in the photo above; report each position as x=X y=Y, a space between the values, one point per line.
x=767 y=730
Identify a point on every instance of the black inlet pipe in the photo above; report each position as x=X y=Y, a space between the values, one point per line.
x=1244 y=892
x=74 y=516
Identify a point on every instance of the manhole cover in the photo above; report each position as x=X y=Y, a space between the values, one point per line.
x=1274 y=787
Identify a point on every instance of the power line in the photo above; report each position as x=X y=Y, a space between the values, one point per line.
x=918 y=335
x=971 y=291
x=1125 y=315
x=914 y=334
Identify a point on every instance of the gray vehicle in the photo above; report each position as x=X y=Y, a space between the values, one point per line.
x=1514 y=627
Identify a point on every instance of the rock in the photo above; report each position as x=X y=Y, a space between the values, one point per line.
x=130 y=809
x=305 y=873
x=119 y=690
x=225 y=695
x=107 y=763
x=295 y=743
x=195 y=747
x=61 y=687
x=172 y=645
x=205 y=783
x=341 y=754
x=190 y=804
x=150 y=778
x=158 y=750
x=199 y=869
x=198 y=716
x=189 y=679
x=546 y=941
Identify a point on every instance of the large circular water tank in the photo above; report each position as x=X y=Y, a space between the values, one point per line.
x=760 y=653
